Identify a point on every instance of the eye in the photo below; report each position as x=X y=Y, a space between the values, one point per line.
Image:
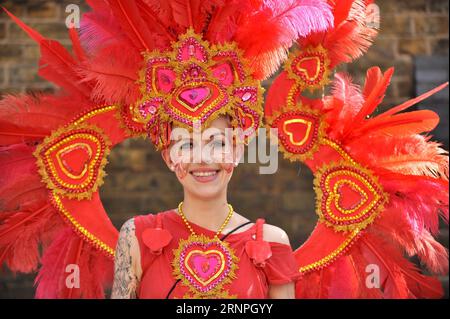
x=187 y=146
x=218 y=143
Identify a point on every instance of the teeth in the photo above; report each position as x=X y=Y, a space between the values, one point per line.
x=201 y=174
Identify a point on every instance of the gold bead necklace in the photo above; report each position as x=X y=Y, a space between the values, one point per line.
x=225 y=223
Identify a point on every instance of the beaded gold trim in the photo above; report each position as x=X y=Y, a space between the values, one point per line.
x=330 y=258
x=79 y=229
x=89 y=114
x=79 y=123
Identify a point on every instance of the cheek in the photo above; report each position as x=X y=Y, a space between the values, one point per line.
x=181 y=170
x=227 y=167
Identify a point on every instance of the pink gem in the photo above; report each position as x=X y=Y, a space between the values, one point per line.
x=152 y=109
x=165 y=79
x=247 y=96
x=191 y=50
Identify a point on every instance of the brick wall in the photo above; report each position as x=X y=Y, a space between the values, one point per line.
x=137 y=180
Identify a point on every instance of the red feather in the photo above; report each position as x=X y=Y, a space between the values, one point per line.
x=375 y=90
x=27 y=118
x=69 y=249
x=396 y=225
x=409 y=103
x=351 y=36
x=36 y=36
x=21 y=233
x=402 y=278
x=411 y=155
x=400 y=124
x=149 y=14
x=99 y=29
x=114 y=73
x=76 y=45
x=56 y=63
x=267 y=35
x=423 y=198
x=341 y=10
x=127 y=13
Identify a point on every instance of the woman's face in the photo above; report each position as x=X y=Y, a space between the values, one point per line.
x=204 y=161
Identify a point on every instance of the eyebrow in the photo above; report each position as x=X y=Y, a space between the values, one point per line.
x=190 y=139
x=216 y=134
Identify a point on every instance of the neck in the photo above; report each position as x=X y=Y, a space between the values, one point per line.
x=207 y=213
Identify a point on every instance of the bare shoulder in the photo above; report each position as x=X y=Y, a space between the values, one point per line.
x=128 y=225
x=128 y=229
x=275 y=234
x=127 y=235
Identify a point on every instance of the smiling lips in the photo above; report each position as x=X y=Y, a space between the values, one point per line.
x=205 y=175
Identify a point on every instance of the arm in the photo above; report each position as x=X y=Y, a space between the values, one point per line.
x=126 y=273
x=276 y=234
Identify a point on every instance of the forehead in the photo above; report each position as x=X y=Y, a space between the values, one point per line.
x=222 y=122
x=219 y=124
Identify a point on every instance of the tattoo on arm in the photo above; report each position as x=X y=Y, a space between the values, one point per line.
x=125 y=278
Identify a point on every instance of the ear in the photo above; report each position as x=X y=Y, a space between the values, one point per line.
x=239 y=149
x=165 y=154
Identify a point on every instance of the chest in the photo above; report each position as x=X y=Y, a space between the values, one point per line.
x=185 y=269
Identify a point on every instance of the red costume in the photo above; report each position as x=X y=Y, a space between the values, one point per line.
x=157 y=278
x=140 y=67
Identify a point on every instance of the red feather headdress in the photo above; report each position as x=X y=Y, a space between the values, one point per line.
x=137 y=67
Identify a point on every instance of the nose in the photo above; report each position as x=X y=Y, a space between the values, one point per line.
x=203 y=153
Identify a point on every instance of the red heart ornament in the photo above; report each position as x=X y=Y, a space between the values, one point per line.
x=196 y=101
x=349 y=197
x=298 y=131
x=75 y=159
x=195 y=96
x=72 y=162
x=310 y=67
x=156 y=239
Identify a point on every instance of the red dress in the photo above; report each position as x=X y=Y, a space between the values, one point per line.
x=253 y=276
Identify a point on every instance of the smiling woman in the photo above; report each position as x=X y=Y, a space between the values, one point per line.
x=185 y=251
x=182 y=73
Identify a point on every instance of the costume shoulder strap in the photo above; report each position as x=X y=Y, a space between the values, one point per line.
x=259 y=236
x=142 y=222
x=259 y=250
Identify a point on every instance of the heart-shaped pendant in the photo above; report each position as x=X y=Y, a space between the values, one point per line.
x=204 y=264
